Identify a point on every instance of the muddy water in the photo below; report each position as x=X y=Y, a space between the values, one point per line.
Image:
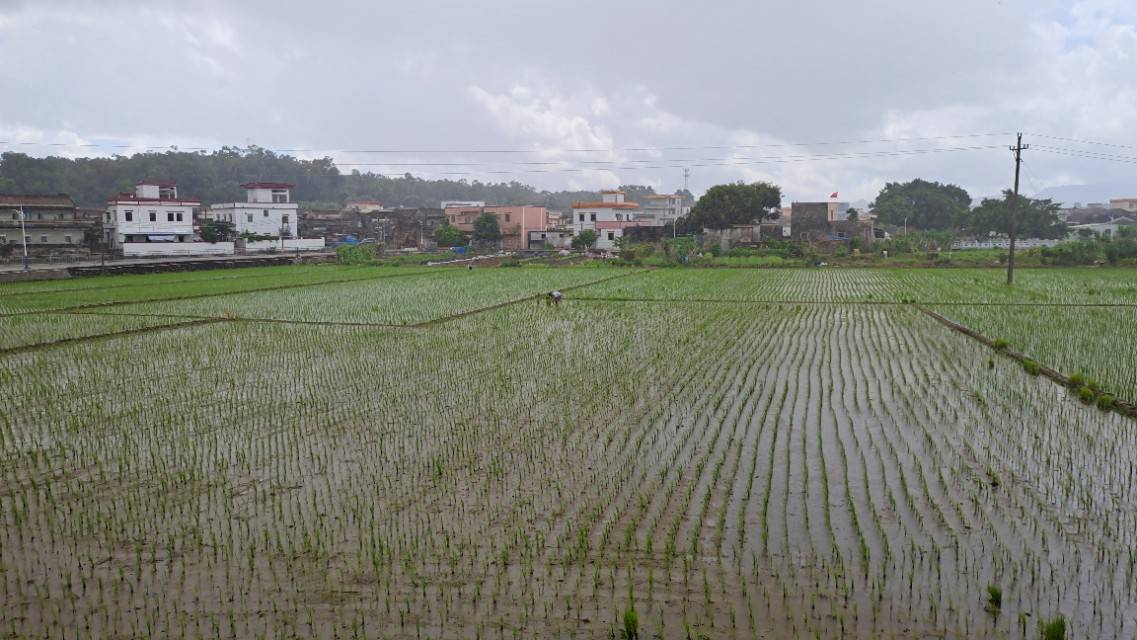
x=809 y=470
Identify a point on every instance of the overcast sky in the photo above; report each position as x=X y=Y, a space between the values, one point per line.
x=779 y=90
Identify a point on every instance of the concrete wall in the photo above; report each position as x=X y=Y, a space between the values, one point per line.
x=290 y=244
x=146 y=249
x=55 y=236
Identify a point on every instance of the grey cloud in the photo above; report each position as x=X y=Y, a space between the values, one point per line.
x=461 y=75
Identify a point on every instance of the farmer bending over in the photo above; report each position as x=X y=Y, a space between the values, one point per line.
x=555 y=297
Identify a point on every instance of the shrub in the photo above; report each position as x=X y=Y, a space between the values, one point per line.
x=1105 y=402
x=1001 y=344
x=510 y=263
x=1032 y=367
x=1086 y=394
x=356 y=253
x=1076 y=381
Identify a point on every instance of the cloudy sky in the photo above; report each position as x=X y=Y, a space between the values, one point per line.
x=815 y=95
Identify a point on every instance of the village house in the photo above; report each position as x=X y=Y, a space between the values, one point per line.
x=662 y=209
x=268 y=210
x=447 y=204
x=515 y=221
x=551 y=238
x=827 y=222
x=608 y=217
x=51 y=224
x=1129 y=205
x=364 y=206
x=153 y=213
x=394 y=228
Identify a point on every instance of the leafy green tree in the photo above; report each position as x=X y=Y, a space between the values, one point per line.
x=216 y=177
x=448 y=235
x=486 y=229
x=1033 y=218
x=216 y=231
x=724 y=205
x=585 y=239
x=922 y=204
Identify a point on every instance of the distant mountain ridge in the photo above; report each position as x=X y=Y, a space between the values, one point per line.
x=1082 y=194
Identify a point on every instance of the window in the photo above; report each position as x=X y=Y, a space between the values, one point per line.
x=507 y=217
x=841 y=235
x=280 y=195
x=592 y=217
x=39 y=216
x=249 y=217
x=611 y=235
x=43 y=239
x=67 y=239
x=283 y=219
x=582 y=217
x=15 y=216
x=128 y=215
x=619 y=217
x=178 y=215
x=27 y=239
x=3 y=239
x=153 y=216
x=169 y=216
x=266 y=213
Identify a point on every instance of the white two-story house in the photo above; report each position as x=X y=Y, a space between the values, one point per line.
x=153 y=213
x=608 y=218
x=268 y=210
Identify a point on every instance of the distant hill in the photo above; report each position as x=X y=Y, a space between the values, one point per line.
x=1070 y=194
x=217 y=176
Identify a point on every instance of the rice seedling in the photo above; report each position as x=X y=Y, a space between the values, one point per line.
x=739 y=452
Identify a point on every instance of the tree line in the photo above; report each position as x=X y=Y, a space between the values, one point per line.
x=216 y=177
x=916 y=205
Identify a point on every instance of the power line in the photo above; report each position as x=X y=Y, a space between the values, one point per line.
x=1082 y=153
x=1082 y=141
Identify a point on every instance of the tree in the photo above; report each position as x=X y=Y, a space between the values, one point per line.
x=486 y=230
x=585 y=239
x=724 y=205
x=448 y=235
x=1033 y=218
x=922 y=204
x=216 y=231
x=853 y=215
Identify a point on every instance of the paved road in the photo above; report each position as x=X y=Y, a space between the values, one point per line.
x=15 y=267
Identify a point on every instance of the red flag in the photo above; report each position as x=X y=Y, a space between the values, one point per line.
x=833 y=195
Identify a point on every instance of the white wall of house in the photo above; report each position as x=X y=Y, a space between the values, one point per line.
x=146 y=218
x=266 y=218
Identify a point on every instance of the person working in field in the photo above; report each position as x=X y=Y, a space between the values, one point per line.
x=555 y=297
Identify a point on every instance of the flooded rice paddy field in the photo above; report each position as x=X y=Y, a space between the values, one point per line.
x=732 y=453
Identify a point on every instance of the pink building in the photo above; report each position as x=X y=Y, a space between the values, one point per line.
x=515 y=222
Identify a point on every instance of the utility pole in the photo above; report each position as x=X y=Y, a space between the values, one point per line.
x=686 y=178
x=1018 y=149
x=24 y=233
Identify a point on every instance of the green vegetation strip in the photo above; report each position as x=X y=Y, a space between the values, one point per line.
x=103 y=336
x=213 y=294
x=1033 y=367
